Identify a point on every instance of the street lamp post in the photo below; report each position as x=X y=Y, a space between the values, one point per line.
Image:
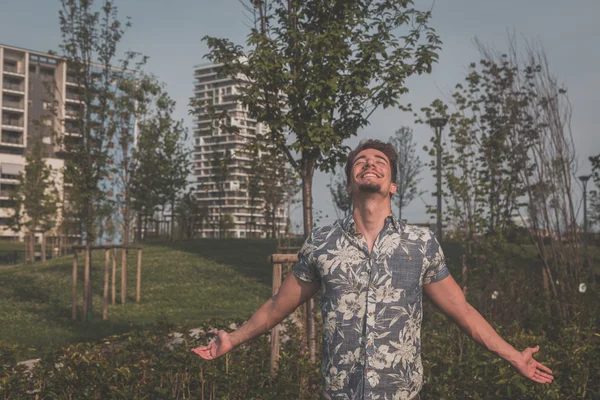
x=584 y=179
x=438 y=125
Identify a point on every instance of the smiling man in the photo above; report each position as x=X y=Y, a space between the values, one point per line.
x=373 y=270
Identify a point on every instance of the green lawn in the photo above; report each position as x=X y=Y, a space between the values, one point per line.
x=187 y=282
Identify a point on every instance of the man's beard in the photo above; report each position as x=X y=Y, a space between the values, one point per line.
x=369 y=188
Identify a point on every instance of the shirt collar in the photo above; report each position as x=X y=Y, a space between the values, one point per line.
x=349 y=225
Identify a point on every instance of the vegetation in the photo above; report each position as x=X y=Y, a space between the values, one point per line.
x=409 y=167
x=318 y=70
x=208 y=286
x=188 y=282
x=36 y=198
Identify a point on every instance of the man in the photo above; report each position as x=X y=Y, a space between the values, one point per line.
x=372 y=270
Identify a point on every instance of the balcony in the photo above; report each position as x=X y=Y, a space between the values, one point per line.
x=14 y=122
x=15 y=87
x=72 y=112
x=11 y=139
x=16 y=105
x=5 y=194
x=12 y=68
x=71 y=96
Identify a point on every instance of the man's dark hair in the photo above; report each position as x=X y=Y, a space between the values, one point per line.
x=386 y=148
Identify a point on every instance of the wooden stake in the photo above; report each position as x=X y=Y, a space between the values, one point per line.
x=86 y=283
x=114 y=277
x=138 y=288
x=43 y=247
x=123 y=275
x=74 y=298
x=106 y=276
x=275 y=331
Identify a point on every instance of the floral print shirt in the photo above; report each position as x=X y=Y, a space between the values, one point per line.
x=371 y=306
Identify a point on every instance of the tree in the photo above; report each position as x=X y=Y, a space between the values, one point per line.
x=319 y=70
x=161 y=161
x=36 y=198
x=90 y=40
x=409 y=166
x=190 y=215
x=220 y=163
x=254 y=186
x=509 y=151
x=279 y=185
x=339 y=195
x=226 y=225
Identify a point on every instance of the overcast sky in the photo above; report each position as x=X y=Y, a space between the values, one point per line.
x=170 y=33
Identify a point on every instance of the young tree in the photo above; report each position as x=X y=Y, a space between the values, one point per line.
x=221 y=162
x=510 y=149
x=161 y=160
x=190 y=215
x=279 y=185
x=409 y=167
x=254 y=187
x=319 y=70
x=90 y=40
x=339 y=195
x=36 y=198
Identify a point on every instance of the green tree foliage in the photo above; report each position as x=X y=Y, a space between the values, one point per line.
x=190 y=215
x=36 y=198
x=90 y=36
x=226 y=225
x=315 y=71
x=339 y=195
x=161 y=160
x=409 y=167
x=318 y=70
x=279 y=185
x=509 y=152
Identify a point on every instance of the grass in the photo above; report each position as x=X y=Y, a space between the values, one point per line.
x=188 y=282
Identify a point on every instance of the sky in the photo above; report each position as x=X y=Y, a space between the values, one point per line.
x=170 y=33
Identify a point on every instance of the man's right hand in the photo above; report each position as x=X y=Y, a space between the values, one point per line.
x=216 y=349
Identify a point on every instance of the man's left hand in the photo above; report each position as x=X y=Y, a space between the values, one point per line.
x=527 y=366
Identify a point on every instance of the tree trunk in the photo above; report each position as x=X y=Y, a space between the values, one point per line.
x=308 y=171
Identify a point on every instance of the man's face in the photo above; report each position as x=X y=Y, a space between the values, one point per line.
x=371 y=173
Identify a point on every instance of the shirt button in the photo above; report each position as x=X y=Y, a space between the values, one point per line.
x=410 y=258
x=370 y=314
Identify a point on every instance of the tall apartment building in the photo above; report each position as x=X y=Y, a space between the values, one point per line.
x=211 y=86
x=32 y=83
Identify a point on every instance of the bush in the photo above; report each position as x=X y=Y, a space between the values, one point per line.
x=141 y=366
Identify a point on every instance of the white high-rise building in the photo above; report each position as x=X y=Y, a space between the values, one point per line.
x=212 y=144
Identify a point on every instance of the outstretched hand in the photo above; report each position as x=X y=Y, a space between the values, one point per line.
x=530 y=368
x=216 y=349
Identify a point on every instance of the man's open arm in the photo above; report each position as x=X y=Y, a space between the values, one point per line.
x=449 y=298
x=292 y=293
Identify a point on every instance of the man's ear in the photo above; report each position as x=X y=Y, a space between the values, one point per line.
x=348 y=190
x=393 y=188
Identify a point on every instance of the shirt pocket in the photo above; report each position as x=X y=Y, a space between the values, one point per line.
x=406 y=271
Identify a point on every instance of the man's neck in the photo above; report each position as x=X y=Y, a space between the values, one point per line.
x=369 y=215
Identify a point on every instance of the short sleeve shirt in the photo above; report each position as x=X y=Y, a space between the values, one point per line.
x=371 y=306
